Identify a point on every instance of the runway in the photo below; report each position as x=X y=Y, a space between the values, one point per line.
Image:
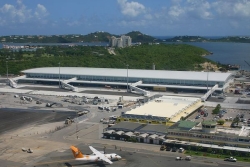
x=129 y=159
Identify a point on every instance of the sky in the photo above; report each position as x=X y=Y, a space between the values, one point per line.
x=152 y=17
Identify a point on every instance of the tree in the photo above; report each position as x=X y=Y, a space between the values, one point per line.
x=182 y=118
x=236 y=120
x=217 y=109
x=221 y=122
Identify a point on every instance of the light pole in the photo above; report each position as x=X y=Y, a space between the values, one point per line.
x=207 y=78
x=76 y=121
x=127 y=77
x=59 y=74
x=7 y=70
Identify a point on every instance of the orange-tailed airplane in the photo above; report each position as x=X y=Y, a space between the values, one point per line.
x=96 y=156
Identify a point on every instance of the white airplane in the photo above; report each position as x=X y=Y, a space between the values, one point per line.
x=96 y=156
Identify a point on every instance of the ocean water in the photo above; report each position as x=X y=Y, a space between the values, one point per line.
x=227 y=53
x=223 y=52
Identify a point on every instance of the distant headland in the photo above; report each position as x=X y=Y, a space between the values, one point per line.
x=101 y=36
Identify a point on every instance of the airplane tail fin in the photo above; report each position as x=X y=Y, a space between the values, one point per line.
x=76 y=152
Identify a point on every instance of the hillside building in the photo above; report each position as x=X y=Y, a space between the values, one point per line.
x=123 y=41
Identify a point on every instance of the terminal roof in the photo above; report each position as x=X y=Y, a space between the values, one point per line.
x=133 y=73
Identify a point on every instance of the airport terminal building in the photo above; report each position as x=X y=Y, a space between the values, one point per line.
x=122 y=78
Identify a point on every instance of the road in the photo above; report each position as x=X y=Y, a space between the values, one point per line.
x=227 y=105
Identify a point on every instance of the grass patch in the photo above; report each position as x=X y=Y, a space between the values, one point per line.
x=204 y=154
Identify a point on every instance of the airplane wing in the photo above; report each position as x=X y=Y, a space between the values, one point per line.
x=100 y=155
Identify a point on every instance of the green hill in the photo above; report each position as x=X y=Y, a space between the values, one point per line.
x=98 y=36
x=164 y=56
x=187 y=39
x=239 y=39
x=137 y=36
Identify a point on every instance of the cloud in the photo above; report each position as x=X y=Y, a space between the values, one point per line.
x=41 y=11
x=233 y=9
x=15 y=15
x=176 y=11
x=131 y=9
x=199 y=9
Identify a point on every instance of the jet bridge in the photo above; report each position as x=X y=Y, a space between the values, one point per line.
x=12 y=83
x=138 y=90
x=65 y=85
x=137 y=83
x=205 y=96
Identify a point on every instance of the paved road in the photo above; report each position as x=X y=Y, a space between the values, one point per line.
x=44 y=88
x=228 y=105
x=130 y=158
x=110 y=93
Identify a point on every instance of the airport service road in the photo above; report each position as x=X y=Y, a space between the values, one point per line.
x=227 y=105
x=117 y=93
x=129 y=159
x=52 y=88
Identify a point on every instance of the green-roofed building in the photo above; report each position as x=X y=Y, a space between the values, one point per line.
x=184 y=125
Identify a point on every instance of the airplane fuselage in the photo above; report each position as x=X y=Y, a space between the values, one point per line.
x=112 y=157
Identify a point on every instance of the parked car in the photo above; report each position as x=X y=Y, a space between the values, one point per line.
x=181 y=150
x=188 y=158
x=178 y=158
x=174 y=149
x=29 y=151
x=221 y=115
x=197 y=117
x=163 y=147
x=223 y=111
x=168 y=149
x=231 y=159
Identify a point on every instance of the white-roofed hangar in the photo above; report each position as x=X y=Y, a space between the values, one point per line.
x=145 y=79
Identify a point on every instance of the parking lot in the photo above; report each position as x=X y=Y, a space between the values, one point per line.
x=228 y=116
